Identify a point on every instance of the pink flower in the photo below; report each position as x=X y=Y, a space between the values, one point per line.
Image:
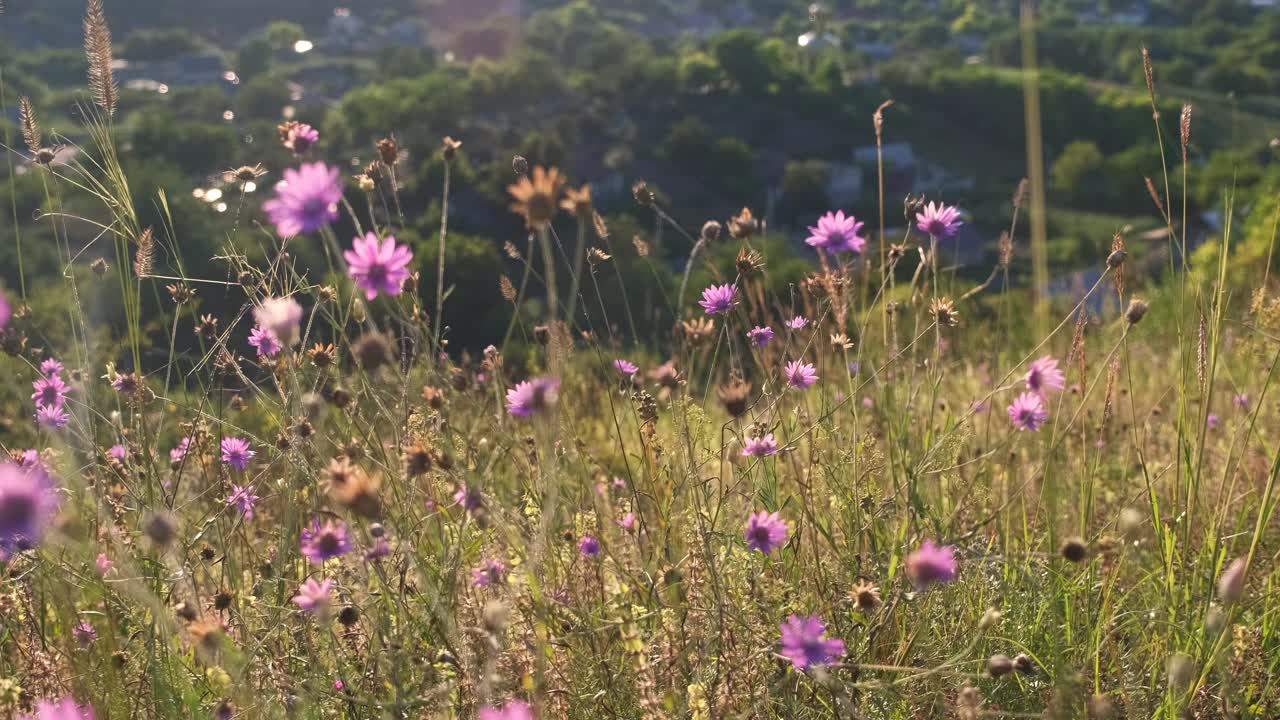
x=103 y=564
x=513 y=710
x=53 y=417
x=1043 y=374
x=1028 y=412
x=236 y=452
x=625 y=368
x=798 y=322
x=62 y=709
x=766 y=532
x=800 y=374
x=264 y=341
x=490 y=572
x=314 y=596
x=837 y=232
x=306 y=199
x=760 y=336
x=805 y=642
x=938 y=220
x=531 y=396
x=931 y=564
x=760 y=446
x=243 y=499
x=627 y=522
x=50 y=391
x=719 y=299
x=378 y=266
x=282 y=317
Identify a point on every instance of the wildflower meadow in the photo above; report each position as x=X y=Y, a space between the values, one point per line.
x=873 y=487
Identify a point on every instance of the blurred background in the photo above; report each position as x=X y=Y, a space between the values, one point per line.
x=717 y=104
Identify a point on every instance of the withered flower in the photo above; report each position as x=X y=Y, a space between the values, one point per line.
x=536 y=198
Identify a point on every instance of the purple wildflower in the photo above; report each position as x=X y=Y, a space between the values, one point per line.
x=378 y=266
x=53 y=417
x=800 y=374
x=299 y=137
x=939 y=221
x=837 y=232
x=766 y=532
x=1212 y=421
x=719 y=299
x=1241 y=401
x=513 y=710
x=314 y=596
x=179 y=452
x=5 y=311
x=243 y=499
x=51 y=367
x=1028 y=412
x=27 y=504
x=469 y=497
x=798 y=322
x=1044 y=374
x=103 y=564
x=589 y=546
x=805 y=642
x=931 y=564
x=282 y=317
x=325 y=542
x=62 y=709
x=306 y=200
x=626 y=368
x=50 y=391
x=490 y=572
x=265 y=341
x=760 y=446
x=531 y=396
x=760 y=336
x=627 y=521
x=381 y=548
x=84 y=633
x=236 y=452
x=117 y=452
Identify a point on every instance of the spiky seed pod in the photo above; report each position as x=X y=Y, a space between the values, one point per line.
x=749 y=262
x=507 y=289
x=743 y=225
x=30 y=126
x=866 y=596
x=144 y=259
x=322 y=356
x=1023 y=663
x=372 y=350
x=1021 y=194
x=1135 y=312
x=944 y=312
x=735 y=396
x=999 y=665
x=1074 y=550
x=416 y=460
x=207 y=328
x=710 y=231
x=389 y=151
x=643 y=195
x=180 y=293
x=449 y=147
x=519 y=165
x=97 y=50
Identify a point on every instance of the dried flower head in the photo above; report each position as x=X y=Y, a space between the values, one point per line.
x=1135 y=312
x=734 y=396
x=749 y=262
x=536 y=199
x=944 y=312
x=578 y=202
x=743 y=225
x=866 y=596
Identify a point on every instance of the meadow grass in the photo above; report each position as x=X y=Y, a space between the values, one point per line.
x=891 y=492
